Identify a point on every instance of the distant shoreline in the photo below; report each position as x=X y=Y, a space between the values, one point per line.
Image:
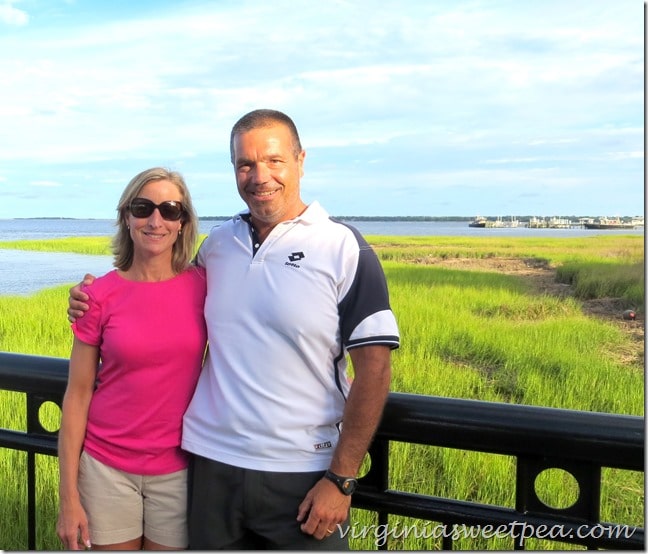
x=414 y=218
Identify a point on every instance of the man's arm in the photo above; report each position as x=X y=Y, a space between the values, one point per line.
x=77 y=302
x=364 y=407
x=324 y=504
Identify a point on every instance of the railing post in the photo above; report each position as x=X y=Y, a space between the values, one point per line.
x=31 y=500
x=35 y=427
x=378 y=478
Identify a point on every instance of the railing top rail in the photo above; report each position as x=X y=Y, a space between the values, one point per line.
x=611 y=440
x=29 y=373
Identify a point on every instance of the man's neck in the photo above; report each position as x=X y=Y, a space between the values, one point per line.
x=264 y=228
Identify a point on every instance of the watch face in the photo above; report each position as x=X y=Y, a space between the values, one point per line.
x=349 y=486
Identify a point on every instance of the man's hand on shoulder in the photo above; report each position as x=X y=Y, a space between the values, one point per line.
x=77 y=302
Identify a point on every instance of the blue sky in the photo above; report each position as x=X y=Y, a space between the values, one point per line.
x=429 y=107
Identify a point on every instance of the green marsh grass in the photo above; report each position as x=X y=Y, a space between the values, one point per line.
x=557 y=250
x=96 y=246
x=465 y=334
x=605 y=279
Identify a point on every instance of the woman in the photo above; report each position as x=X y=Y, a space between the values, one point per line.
x=134 y=364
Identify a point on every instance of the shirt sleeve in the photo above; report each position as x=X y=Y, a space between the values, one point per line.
x=365 y=313
x=88 y=328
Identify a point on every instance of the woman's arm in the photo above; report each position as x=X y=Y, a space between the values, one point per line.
x=72 y=525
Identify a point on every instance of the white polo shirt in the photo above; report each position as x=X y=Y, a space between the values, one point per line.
x=273 y=387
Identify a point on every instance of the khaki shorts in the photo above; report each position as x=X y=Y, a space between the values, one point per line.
x=124 y=506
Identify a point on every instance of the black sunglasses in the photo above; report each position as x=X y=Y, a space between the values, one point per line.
x=169 y=210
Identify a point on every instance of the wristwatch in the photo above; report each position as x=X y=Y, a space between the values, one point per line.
x=347 y=485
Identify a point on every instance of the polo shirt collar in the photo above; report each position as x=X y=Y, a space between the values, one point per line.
x=313 y=213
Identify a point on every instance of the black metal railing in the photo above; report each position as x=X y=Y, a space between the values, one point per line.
x=580 y=443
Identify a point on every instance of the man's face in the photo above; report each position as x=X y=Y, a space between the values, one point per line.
x=268 y=173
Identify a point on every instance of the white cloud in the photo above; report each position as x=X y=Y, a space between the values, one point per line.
x=12 y=16
x=47 y=184
x=537 y=142
x=405 y=93
x=625 y=155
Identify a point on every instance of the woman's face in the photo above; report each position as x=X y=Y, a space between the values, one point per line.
x=154 y=235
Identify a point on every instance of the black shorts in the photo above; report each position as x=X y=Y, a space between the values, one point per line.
x=232 y=508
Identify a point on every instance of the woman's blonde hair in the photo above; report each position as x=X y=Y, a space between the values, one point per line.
x=184 y=247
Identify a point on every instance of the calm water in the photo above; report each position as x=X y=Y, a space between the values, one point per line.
x=23 y=272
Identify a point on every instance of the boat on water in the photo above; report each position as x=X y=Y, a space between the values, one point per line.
x=482 y=222
x=600 y=223
x=605 y=223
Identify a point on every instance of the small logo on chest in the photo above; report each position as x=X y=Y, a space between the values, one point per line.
x=294 y=258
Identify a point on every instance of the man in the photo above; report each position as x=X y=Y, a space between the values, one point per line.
x=277 y=429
